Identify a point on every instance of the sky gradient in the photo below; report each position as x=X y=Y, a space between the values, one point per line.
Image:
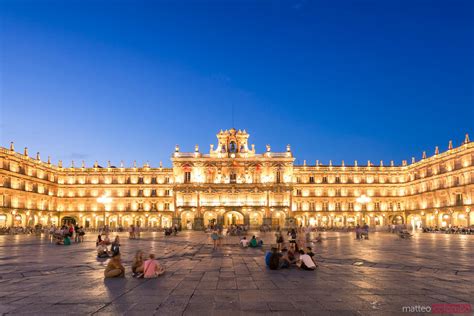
x=122 y=80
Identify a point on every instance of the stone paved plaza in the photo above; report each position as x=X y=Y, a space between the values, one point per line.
x=371 y=277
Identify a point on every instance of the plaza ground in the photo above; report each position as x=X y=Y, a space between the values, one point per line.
x=370 y=277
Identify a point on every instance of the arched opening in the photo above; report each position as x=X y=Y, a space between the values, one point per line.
x=187 y=220
x=153 y=221
x=351 y=221
x=255 y=219
x=127 y=221
x=445 y=219
x=397 y=220
x=338 y=221
x=166 y=221
x=210 y=218
x=113 y=221
x=414 y=221
x=233 y=218
x=278 y=219
x=66 y=220
x=3 y=220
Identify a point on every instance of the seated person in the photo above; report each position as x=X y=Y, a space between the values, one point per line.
x=114 y=268
x=284 y=261
x=319 y=238
x=274 y=260
x=268 y=256
x=151 y=268
x=244 y=242
x=291 y=256
x=102 y=251
x=137 y=263
x=67 y=241
x=305 y=262
x=253 y=242
x=99 y=240
x=106 y=240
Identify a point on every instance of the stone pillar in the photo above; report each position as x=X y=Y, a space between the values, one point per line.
x=247 y=219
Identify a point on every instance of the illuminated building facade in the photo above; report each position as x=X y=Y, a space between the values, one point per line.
x=233 y=184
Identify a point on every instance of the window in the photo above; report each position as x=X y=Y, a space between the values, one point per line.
x=311 y=206
x=167 y=206
x=167 y=179
x=377 y=206
x=187 y=177
x=278 y=177
x=459 y=199
x=399 y=206
x=350 y=206
x=298 y=192
x=311 y=179
x=338 y=192
x=338 y=179
x=140 y=192
x=233 y=178
x=325 y=179
x=298 y=179
x=140 y=180
x=338 y=206
x=325 y=206
x=153 y=192
x=167 y=193
x=390 y=206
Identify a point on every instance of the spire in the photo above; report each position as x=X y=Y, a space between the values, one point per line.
x=176 y=148
x=49 y=160
x=304 y=161
x=121 y=163
x=381 y=163
x=369 y=163
x=161 y=164
x=72 y=164
x=450 y=145
x=436 y=150
x=413 y=160
x=96 y=164
x=404 y=163
x=25 y=152
x=196 y=148
x=288 y=148
x=12 y=146
x=38 y=156
x=330 y=163
x=392 y=164
x=146 y=165
x=343 y=164
x=108 y=163
x=355 y=163
x=135 y=163
x=83 y=165
x=466 y=139
x=424 y=155
x=60 y=163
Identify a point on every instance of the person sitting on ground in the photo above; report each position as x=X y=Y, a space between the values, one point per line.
x=138 y=263
x=114 y=268
x=115 y=248
x=151 y=268
x=305 y=262
x=292 y=256
x=284 y=261
x=274 y=259
x=319 y=238
x=67 y=241
x=244 y=242
x=106 y=240
x=102 y=251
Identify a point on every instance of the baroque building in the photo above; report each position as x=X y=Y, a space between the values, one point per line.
x=233 y=184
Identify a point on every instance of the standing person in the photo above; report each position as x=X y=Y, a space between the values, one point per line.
x=357 y=230
x=131 y=232
x=137 y=231
x=115 y=247
x=292 y=238
x=215 y=238
x=279 y=239
x=81 y=234
x=151 y=268
x=114 y=268
x=366 y=231
x=76 y=235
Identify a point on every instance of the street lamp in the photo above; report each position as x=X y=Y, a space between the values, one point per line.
x=363 y=199
x=104 y=200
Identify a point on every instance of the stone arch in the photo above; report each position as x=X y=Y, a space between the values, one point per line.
x=414 y=221
x=234 y=217
x=187 y=219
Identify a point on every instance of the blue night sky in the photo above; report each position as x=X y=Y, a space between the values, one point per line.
x=123 y=80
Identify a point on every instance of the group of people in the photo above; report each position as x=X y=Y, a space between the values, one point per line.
x=450 y=230
x=141 y=268
x=286 y=258
x=171 y=230
x=362 y=232
x=134 y=232
x=102 y=246
x=252 y=243
x=63 y=235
